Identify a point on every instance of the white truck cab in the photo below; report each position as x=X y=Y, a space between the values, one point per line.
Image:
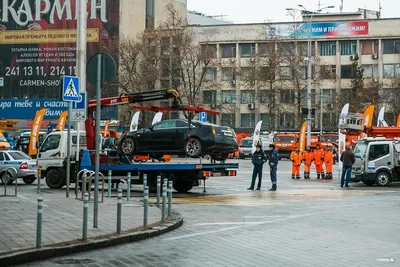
x=53 y=153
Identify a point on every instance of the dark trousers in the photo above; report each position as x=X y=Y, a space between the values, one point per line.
x=346 y=174
x=257 y=170
x=273 y=177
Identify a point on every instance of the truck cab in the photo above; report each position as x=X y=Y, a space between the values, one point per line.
x=53 y=153
x=377 y=161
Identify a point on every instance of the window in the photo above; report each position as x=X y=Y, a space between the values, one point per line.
x=345 y=95
x=327 y=71
x=348 y=47
x=264 y=97
x=3 y=156
x=389 y=94
x=268 y=120
x=266 y=49
x=378 y=151
x=391 y=46
x=228 y=50
x=246 y=97
x=391 y=70
x=327 y=48
x=371 y=71
x=329 y=121
x=370 y=47
x=287 y=96
x=150 y=14
x=287 y=49
x=82 y=140
x=328 y=96
x=210 y=97
x=268 y=73
x=209 y=74
x=286 y=120
x=228 y=120
x=247 y=50
x=51 y=142
x=303 y=96
x=345 y=72
x=229 y=97
x=19 y=155
x=285 y=73
x=247 y=120
x=165 y=125
x=209 y=50
x=227 y=74
x=212 y=118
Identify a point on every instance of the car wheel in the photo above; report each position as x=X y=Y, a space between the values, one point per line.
x=28 y=180
x=128 y=146
x=382 y=179
x=6 y=177
x=193 y=148
x=55 y=179
x=183 y=186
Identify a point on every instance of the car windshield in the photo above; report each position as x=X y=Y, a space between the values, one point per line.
x=18 y=155
x=25 y=140
x=329 y=138
x=287 y=139
x=246 y=143
x=360 y=150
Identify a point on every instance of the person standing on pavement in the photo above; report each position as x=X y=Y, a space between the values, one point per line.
x=258 y=159
x=295 y=157
x=348 y=160
x=328 y=160
x=307 y=159
x=318 y=160
x=273 y=165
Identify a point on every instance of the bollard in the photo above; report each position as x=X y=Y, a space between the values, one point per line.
x=158 y=190
x=164 y=201
x=145 y=204
x=39 y=223
x=144 y=180
x=119 y=211
x=16 y=185
x=85 y=215
x=169 y=198
x=109 y=183
x=128 y=190
x=39 y=180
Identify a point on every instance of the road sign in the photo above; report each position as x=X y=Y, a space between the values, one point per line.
x=79 y=109
x=70 y=89
x=203 y=116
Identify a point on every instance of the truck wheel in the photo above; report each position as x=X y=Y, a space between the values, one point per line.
x=28 y=180
x=382 y=179
x=183 y=186
x=55 y=179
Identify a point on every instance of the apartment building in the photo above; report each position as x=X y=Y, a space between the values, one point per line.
x=337 y=40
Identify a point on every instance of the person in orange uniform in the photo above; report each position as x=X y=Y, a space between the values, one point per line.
x=308 y=158
x=318 y=161
x=328 y=160
x=295 y=157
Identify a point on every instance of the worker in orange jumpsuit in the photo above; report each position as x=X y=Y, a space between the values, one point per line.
x=328 y=160
x=295 y=157
x=318 y=161
x=308 y=157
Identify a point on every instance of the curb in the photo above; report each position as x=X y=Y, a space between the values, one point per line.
x=31 y=255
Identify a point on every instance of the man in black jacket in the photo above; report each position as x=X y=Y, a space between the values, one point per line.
x=258 y=159
x=348 y=160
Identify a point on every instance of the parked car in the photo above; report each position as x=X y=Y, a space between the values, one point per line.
x=24 y=165
x=245 y=147
x=173 y=137
x=4 y=143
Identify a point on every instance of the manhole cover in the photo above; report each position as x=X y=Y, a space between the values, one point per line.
x=74 y=261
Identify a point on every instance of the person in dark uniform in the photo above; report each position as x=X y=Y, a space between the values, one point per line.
x=258 y=159
x=273 y=165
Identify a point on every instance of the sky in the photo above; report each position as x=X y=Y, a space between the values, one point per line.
x=257 y=11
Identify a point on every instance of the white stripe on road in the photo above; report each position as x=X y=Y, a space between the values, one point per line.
x=236 y=227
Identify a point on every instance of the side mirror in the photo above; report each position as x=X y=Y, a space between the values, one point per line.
x=151 y=128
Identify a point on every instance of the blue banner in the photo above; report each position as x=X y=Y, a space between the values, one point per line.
x=27 y=108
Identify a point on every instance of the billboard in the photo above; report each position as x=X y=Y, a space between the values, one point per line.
x=38 y=46
x=320 y=29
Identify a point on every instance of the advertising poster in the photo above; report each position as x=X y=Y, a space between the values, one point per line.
x=38 y=46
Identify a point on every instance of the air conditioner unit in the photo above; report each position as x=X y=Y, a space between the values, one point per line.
x=375 y=80
x=352 y=57
x=233 y=83
x=232 y=60
x=251 y=106
x=329 y=105
x=375 y=56
x=252 y=59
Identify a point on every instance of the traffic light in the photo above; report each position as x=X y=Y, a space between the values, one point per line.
x=304 y=111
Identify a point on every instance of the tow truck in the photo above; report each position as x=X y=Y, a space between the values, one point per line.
x=185 y=175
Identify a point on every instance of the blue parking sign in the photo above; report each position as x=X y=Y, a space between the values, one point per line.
x=203 y=116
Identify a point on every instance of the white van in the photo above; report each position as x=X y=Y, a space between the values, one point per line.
x=53 y=153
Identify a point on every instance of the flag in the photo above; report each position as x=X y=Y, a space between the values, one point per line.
x=342 y=137
x=303 y=130
x=135 y=122
x=381 y=117
x=398 y=121
x=34 y=138
x=157 y=118
x=61 y=121
x=256 y=136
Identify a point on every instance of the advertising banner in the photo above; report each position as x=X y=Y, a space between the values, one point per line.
x=61 y=121
x=342 y=137
x=38 y=45
x=34 y=138
x=319 y=29
x=256 y=137
x=381 y=117
x=303 y=131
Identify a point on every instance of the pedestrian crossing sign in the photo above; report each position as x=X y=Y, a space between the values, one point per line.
x=70 y=86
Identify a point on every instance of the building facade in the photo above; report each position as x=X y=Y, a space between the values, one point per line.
x=337 y=41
